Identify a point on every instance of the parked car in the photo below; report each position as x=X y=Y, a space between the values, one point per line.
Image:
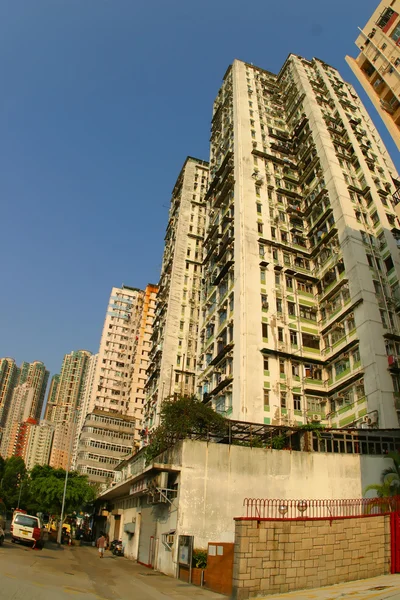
x=26 y=528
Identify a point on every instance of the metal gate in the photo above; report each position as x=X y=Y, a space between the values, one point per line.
x=147 y=535
x=395 y=541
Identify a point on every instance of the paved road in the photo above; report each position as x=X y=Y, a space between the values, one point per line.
x=65 y=573
x=386 y=587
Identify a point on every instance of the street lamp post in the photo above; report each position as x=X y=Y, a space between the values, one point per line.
x=20 y=491
x=59 y=534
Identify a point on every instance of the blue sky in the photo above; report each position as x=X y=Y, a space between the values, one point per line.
x=100 y=103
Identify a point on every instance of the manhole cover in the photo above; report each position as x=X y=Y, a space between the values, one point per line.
x=380 y=587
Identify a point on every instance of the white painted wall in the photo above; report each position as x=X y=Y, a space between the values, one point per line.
x=215 y=479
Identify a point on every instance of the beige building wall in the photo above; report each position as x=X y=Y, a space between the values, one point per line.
x=172 y=370
x=113 y=369
x=274 y=557
x=140 y=358
x=38 y=446
x=301 y=268
x=377 y=67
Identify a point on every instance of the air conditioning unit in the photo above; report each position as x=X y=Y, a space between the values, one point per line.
x=316 y=418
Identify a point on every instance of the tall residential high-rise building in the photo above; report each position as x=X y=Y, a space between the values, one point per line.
x=377 y=67
x=26 y=403
x=51 y=397
x=140 y=358
x=38 y=444
x=35 y=376
x=9 y=374
x=301 y=268
x=110 y=422
x=111 y=380
x=175 y=332
x=83 y=409
x=62 y=413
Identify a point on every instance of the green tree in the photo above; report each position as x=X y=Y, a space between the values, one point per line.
x=13 y=481
x=390 y=479
x=47 y=485
x=182 y=418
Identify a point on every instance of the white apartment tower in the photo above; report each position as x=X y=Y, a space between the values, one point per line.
x=111 y=380
x=172 y=370
x=111 y=414
x=38 y=445
x=301 y=267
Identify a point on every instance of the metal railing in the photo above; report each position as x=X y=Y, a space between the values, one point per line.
x=277 y=509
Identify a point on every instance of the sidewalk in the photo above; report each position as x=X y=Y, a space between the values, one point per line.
x=384 y=587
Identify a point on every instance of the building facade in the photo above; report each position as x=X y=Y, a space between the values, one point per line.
x=197 y=488
x=113 y=370
x=140 y=358
x=105 y=439
x=83 y=408
x=301 y=268
x=62 y=412
x=110 y=421
x=38 y=444
x=377 y=67
x=51 y=397
x=173 y=356
x=9 y=374
x=25 y=404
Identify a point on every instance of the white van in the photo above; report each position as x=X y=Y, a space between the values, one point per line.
x=26 y=528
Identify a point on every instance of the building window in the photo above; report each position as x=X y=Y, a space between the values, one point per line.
x=281 y=366
x=296 y=402
x=389 y=265
x=264 y=301
x=260 y=228
x=266 y=398
x=265 y=330
x=266 y=364
x=295 y=369
x=283 y=400
x=262 y=276
x=396 y=33
x=280 y=334
x=279 y=305
x=293 y=338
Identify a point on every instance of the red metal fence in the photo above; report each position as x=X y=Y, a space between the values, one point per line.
x=268 y=508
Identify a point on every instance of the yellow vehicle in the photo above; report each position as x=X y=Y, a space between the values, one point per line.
x=54 y=524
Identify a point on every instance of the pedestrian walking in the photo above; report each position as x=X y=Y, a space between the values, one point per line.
x=101 y=543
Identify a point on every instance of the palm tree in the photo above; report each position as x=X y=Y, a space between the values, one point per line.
x=390 y=479
x=391 y=475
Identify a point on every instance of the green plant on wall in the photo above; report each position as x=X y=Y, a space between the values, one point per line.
x=199 y=558
x=277 y=442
